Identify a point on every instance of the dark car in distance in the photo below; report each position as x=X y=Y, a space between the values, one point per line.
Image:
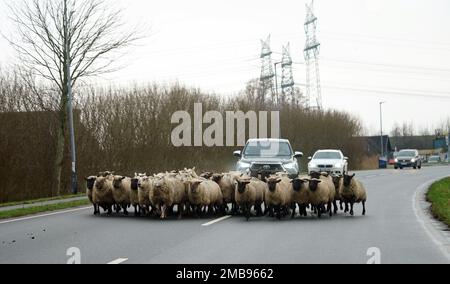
x=408 y=159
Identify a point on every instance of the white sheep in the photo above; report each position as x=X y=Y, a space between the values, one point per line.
x=204 y=194
x=103 y=193
x=122 y=192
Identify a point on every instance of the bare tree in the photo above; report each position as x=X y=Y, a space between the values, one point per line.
x=55 y=36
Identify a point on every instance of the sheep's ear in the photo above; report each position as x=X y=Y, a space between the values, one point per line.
x=122 y=178
x=278 y=180
x=353 y=175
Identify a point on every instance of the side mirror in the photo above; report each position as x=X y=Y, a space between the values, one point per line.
x=237 y=154
x=346 y=158
x=298 y=155
x=310 y=158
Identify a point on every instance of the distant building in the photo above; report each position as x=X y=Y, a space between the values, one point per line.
x=372 y=145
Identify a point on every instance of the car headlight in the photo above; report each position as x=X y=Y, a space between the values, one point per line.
x=243 y=166
x=290 y=166
x=413 y=160
x=311 y=165
x=396 y=160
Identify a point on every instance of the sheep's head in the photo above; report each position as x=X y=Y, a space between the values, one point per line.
x=217 y=178
x=337 y=181
x=117 y=183
x=194 y=184
x=313 y=184
x=242 y=183
x=315 y=175
x=142 y=181
x=297 y=184
x=134 y=184
x=105 y=174
x=207 y=175
x=90 y=181
x=100 y=183
x=272 y=181
x=348 y=179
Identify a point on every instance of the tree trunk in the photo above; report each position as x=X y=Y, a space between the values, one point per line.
x=60 y=144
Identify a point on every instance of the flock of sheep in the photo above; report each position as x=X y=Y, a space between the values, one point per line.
x=211 y=194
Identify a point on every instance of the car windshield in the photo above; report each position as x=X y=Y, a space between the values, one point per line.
x=268 y=149
x=434 y=159
x=407 y=154
x=327 y=156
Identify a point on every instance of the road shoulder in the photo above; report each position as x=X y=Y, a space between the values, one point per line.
x=437 y=230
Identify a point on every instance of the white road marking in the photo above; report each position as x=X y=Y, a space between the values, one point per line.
x=118 y=261
x=44 y=215
x=217 y=221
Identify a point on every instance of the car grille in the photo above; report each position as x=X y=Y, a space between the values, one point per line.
x=267 y=168
x=404 y=161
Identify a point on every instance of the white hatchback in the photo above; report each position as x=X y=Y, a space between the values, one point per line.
x=330 y=161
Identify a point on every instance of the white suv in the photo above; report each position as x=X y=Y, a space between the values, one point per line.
x=330 y=161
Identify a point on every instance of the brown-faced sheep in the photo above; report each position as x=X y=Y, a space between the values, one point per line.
x=278 y=197
x=353 y=192
x=250 y=193
x=122 y=192
x=328 y=181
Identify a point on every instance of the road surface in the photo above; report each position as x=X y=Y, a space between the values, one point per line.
x=392 y=225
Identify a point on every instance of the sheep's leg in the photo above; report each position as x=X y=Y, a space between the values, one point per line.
x=125 y=209
x=294 y=209
x=335 y=207
x=247 y=212
x=319 y=210
x=346 y=207
x=330 y=208
x=278 y=210
x=110 y=211
x=364 y=208
x=342 y=205
x=351 y=209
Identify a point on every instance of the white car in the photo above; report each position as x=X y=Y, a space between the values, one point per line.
x=330 y=161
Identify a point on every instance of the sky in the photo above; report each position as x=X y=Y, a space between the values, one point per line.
x=395 y=51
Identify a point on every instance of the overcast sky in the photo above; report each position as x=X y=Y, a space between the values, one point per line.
x=396 y=51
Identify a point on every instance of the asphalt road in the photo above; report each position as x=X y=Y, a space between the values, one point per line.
x=391 y=225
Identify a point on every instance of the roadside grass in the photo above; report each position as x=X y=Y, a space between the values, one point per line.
x=34 y=201
x=40 y=209
x=439 y=196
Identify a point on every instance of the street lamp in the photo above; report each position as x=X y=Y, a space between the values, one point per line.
x=381 y=128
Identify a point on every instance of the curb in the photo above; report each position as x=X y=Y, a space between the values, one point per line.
x=436 y=230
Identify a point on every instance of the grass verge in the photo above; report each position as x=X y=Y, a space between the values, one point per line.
x=439 y=196
x=28 y=202
x=40 y=209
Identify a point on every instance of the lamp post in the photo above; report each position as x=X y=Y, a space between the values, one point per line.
x=381 y=128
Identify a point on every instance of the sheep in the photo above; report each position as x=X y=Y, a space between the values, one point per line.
x=204 y=194
x=227 y=183
x=328 y=181
x=122 y=192
x=145 y=194
x=134 y=194
x=320 y=195
x=353 y=192
x=300 y=195
x=277 y=196
x=103 y=193
x=90 y=181
x=250 y=193
x=338 y=184
x=169 y=191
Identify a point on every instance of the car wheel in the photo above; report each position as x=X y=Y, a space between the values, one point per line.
x=396 y=168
